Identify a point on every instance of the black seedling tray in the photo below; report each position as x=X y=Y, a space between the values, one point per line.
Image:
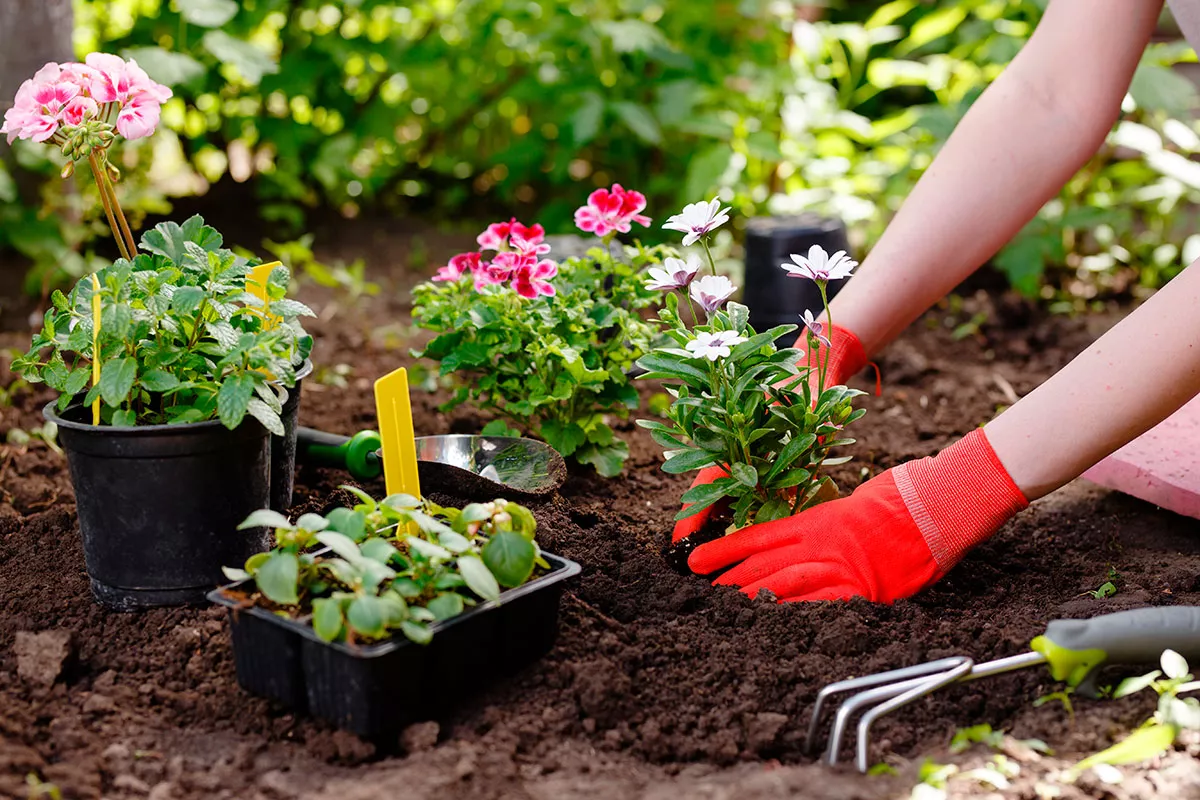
x=376 y=690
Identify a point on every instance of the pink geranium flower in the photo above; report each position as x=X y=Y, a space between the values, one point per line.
x=532 y=279
x=40 y=106
x=462 y=264
x=497 y=235
x=610 y=210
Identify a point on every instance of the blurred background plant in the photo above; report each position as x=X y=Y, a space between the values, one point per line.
x=302 y=109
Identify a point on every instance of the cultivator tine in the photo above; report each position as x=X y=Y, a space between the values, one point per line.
x=886 y=692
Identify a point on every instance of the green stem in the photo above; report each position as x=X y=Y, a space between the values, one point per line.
x=712 y=264
x=97 y=173
x=130 y=244
x=828 y=350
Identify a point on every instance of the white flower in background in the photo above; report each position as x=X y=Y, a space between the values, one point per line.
x=675 y=274
x=820 y=266
x=713 y=345
x=698 y=220
x=711 y=291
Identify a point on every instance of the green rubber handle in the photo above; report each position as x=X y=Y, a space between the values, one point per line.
x=1075 y=648
x=358 y=454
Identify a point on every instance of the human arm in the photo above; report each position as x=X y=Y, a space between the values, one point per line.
x=1028 y=133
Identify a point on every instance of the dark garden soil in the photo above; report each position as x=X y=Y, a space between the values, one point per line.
x=660 y=686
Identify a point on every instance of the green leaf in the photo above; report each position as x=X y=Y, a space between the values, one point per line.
x=639 y=120
x=348 y=522
x=688 y=460
x=379 y=550
x=365 y=616
x=56 y=374
x=233 y=399
x=509 y=556
x=674 y=367
x=157 y=380
x=934 y=25
x=277 y=578
x=1159 y=88
x=265 y=518
x=124 y=418
x=434 y=552
x=446 y=605
x=416 y=632
x=585 y=122
x=566 y=439
x=327 y=619
x=266 y=415
x=608 y=460
x=1135 y=684
x=116 y=379
x=1141 y=745
x=78 y=379
x=248 y=59
x=187 y=299
x=340 y=544
x=791 y=451
x=165 y=66
x=207 y=13
x=170 y=238
x=705 y=170
x=745 y=474
x=479 y=578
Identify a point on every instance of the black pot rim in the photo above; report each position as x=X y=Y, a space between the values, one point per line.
x=51 y=414
x=304 y=370
x=561 y=570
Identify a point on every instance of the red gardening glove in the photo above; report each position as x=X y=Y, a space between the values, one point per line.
x=896 y=534
x=846 y=357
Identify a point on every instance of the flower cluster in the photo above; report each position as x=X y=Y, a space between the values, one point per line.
x=105 y=88
x=517 y=261
x=767 y=420
x=611 y=211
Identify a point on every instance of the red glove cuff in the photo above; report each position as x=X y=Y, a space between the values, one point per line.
x=959 y=497
x=847 y=356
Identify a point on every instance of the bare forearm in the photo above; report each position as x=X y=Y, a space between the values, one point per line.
x=1022 y=140
x=1132 y=378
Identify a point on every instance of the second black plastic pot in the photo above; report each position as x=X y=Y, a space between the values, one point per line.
x=771 y=294
x=159 y=505
x=376 y=690
x=283 y=448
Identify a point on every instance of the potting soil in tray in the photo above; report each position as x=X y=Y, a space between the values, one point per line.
x=378 y=689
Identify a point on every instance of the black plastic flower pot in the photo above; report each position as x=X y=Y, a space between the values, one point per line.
x=772 y=295
x=376 y=690
x=159 y=505
x=283 y=448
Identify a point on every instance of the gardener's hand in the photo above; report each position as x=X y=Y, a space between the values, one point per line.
x=896 y=534
x=846 y=357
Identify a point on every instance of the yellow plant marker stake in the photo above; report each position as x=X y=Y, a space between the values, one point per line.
x=95 y=346
x=396 y=434
x=256 y=284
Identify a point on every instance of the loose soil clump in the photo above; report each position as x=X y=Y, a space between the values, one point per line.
x=660 y=685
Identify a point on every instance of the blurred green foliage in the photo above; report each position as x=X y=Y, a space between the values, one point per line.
x=458 y=108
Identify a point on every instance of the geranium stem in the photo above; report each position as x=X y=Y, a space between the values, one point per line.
x=98 y=174
x=120 y=215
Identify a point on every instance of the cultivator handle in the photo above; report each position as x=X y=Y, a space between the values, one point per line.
x=1075 y=648
x=358 y=454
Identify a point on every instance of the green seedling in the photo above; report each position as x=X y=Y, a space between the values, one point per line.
x=181 y=337
x=1062 y=696
x=46 y=433
x=375 y=577
x=1157 y=734
x=964 y=738
x=1108 y=588
x=38 y=789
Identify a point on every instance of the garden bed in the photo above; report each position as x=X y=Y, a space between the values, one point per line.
x=659 y=686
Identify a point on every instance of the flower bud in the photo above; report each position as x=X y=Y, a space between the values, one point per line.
x=68 y=169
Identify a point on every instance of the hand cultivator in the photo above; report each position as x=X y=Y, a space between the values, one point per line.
x=1074 y=650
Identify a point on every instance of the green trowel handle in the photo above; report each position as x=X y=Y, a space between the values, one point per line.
x=359 y=454
x=1074 y=648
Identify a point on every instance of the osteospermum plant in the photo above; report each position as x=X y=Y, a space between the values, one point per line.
x=542 y=345
x=764 y=415
x=82 y=109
